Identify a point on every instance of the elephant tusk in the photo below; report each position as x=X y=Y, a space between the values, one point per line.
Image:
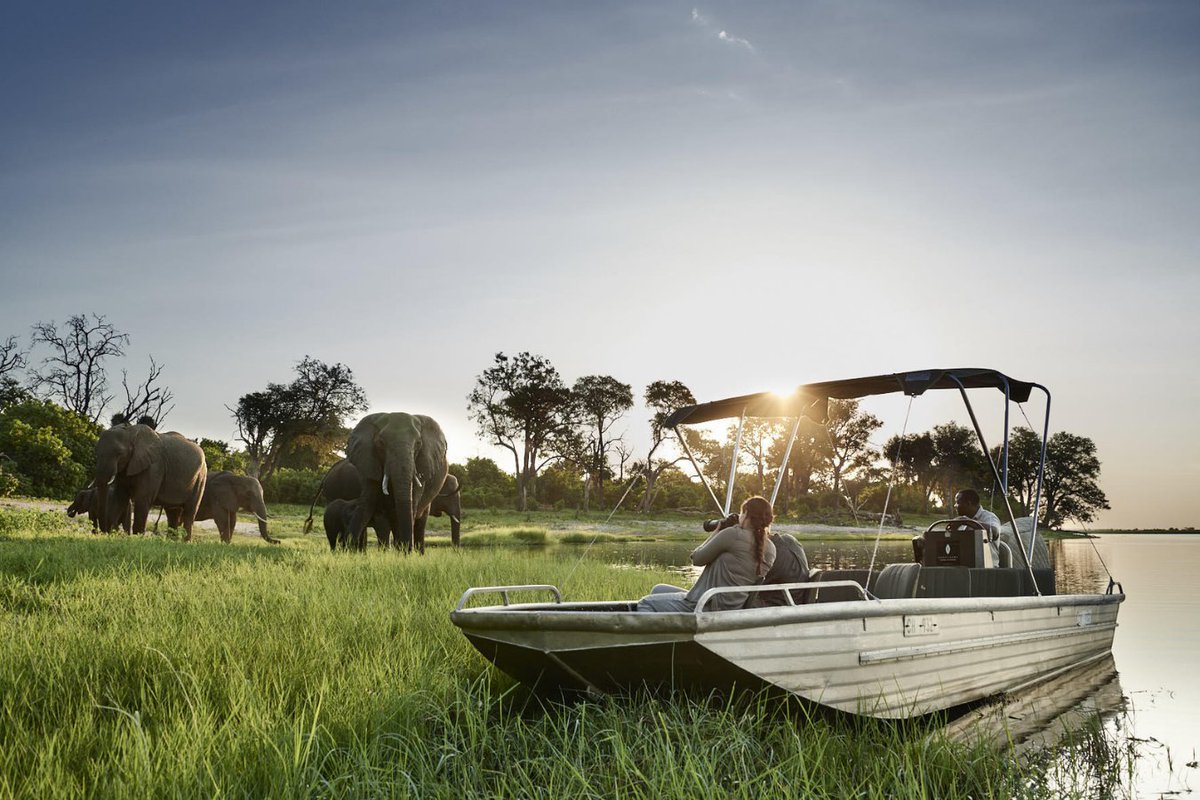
x=417 y=480
x=385 y=483
x=456 y=520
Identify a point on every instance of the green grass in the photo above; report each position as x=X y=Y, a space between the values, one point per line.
x=144 y=667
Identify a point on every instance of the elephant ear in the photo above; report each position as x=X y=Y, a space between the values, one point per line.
x=142 y=452
x=450 y=486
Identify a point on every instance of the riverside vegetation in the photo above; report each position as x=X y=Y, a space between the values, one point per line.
x=137 y=666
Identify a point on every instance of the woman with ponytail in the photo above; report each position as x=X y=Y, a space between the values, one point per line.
x=739 y=555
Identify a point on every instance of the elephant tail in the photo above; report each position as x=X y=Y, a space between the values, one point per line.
x=308 y=523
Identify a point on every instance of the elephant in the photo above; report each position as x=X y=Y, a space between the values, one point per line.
x=86 y=502
x=401 y=460
x=342 y=483
x=224 y=495
x=339 y=512
x=150 y=468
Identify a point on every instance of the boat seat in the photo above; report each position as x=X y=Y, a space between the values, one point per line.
x=837 y=594
x=896 y=581
x=996 y=582
x=944 y=582
x=1045 y=581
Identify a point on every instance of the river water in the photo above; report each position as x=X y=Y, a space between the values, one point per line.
x=1156 y=648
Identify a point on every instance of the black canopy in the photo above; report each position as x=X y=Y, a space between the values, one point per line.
x=812 y=399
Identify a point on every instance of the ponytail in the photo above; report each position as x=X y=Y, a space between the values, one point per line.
x=758 y=512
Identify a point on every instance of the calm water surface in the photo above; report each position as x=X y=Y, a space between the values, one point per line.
x=1157 y=643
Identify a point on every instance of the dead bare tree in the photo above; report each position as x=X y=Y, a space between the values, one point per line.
x=12 y=357
x=148 y=398
x=73 y=373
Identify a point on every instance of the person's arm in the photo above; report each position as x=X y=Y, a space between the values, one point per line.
x=716 y=544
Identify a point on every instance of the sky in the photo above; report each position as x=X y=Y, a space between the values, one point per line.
x=738 y=196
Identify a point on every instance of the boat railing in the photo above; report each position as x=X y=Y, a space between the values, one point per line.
x=504 y=591
x=785 y=588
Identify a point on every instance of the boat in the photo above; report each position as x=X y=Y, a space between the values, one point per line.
x=905 y=641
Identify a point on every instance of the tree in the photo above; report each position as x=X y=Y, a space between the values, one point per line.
x=522 y=405
x=147 y=399
x=318 y=401
x=759 y=437
x=601 y=401
x=73 y=373
x=663 y=398
x=806 y=459
x=12 y=359
x=959 y=461
x=48 y=448
x=847 y=445
x=913 y=457
x=219 y=455
x=484 y=484
x=1070 y=489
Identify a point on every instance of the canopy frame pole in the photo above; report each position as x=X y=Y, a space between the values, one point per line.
x=699 y=473
x=962 y=390
x=1007 y=401
x=733 y=462
x=787 y=454
x=1037 y=502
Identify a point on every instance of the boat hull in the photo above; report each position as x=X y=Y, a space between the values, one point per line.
x=879 y=658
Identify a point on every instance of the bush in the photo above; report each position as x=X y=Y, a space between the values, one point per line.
x=297 y=486
x=8 y=483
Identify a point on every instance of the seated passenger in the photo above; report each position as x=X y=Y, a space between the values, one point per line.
x=791 y=566
x=738 y=555
x=966 y=503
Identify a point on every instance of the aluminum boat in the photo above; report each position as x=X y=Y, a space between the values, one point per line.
x=904 y=641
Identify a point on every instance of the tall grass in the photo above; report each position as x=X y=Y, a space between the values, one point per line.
x=143 y=667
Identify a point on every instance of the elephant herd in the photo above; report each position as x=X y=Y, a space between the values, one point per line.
x=394 y=477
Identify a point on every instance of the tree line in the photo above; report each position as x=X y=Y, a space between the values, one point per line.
x=566 y=441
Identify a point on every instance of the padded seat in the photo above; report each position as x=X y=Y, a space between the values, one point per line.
x=944 y=582
x=837 y=594
x=996 y=582
x=897 y=581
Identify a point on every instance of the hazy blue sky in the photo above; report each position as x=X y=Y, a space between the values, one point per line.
x=740 y=196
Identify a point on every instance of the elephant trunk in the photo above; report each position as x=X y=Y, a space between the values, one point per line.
x=260 y=511
x=399 y=482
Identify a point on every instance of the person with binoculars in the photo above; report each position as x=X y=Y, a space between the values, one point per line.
x=738 y=553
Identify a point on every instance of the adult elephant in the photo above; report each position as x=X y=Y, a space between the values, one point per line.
x=401 y=461
x=150 y=468
x=342 y=483
x=225 y=494
x=87 y=502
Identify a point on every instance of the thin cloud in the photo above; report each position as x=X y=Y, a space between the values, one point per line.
x=723 y=35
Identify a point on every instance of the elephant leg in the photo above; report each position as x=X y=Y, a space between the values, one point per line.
x=364 y=511
x=419 y=533
x=230 y=521
x=141 y=511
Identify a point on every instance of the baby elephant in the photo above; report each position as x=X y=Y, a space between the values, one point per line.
x=337 y=523
x=224 y=495
x=120 y=510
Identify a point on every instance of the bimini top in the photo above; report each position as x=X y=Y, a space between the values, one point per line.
x=812 y=399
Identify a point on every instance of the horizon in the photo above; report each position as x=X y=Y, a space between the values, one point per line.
x=757 y=197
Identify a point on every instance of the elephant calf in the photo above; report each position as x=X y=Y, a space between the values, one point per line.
x=224 y=495
x=120 y=510
x=338 y=514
